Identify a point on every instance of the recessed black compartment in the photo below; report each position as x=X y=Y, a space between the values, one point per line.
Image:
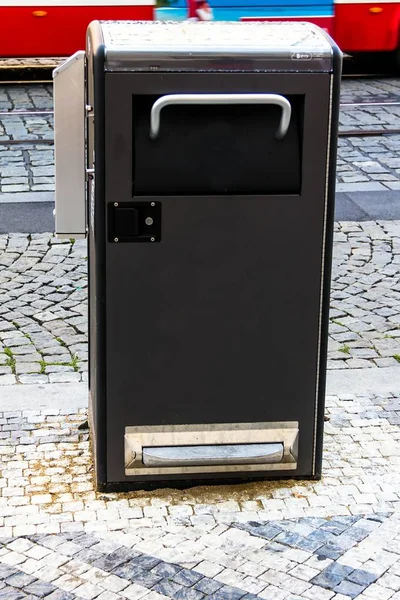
x=216 y=149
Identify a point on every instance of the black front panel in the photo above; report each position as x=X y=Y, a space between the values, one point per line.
x=217 y=149
x=219 y=320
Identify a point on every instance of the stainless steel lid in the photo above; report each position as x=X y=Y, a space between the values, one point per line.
x=215 y=46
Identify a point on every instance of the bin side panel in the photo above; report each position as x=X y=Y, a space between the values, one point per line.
x=330 y=216
x=96 y=249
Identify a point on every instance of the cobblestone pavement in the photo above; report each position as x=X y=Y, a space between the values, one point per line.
x=29 y=167
x=43 y=311
x=365 y=295
x=43 y=284
x=364 y=164
x=337 y=538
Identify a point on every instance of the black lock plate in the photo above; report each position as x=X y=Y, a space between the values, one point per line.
x=134 y=222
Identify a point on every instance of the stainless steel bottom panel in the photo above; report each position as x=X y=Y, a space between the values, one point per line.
x=211 y=447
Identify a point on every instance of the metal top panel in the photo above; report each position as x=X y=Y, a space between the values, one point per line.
x=152 y=46
x=196 y=36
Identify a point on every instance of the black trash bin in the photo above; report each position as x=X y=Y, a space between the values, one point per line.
x=211 y=169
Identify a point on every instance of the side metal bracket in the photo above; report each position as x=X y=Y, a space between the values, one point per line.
x=69 y=147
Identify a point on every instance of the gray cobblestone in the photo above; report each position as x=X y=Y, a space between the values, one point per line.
x=363 y=297
x=36 y=344
x=324 y=552
x=368 y=158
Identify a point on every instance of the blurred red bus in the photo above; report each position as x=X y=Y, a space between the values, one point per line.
x=58 y=27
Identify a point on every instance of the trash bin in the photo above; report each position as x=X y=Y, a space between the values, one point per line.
x=208 y=201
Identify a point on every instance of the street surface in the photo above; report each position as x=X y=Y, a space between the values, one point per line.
x=334 y=539
x=337 y=538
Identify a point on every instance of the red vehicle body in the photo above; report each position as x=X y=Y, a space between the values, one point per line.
x=366 y=26
x=57 y=27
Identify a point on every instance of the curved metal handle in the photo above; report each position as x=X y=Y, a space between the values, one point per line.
x=221 y=99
